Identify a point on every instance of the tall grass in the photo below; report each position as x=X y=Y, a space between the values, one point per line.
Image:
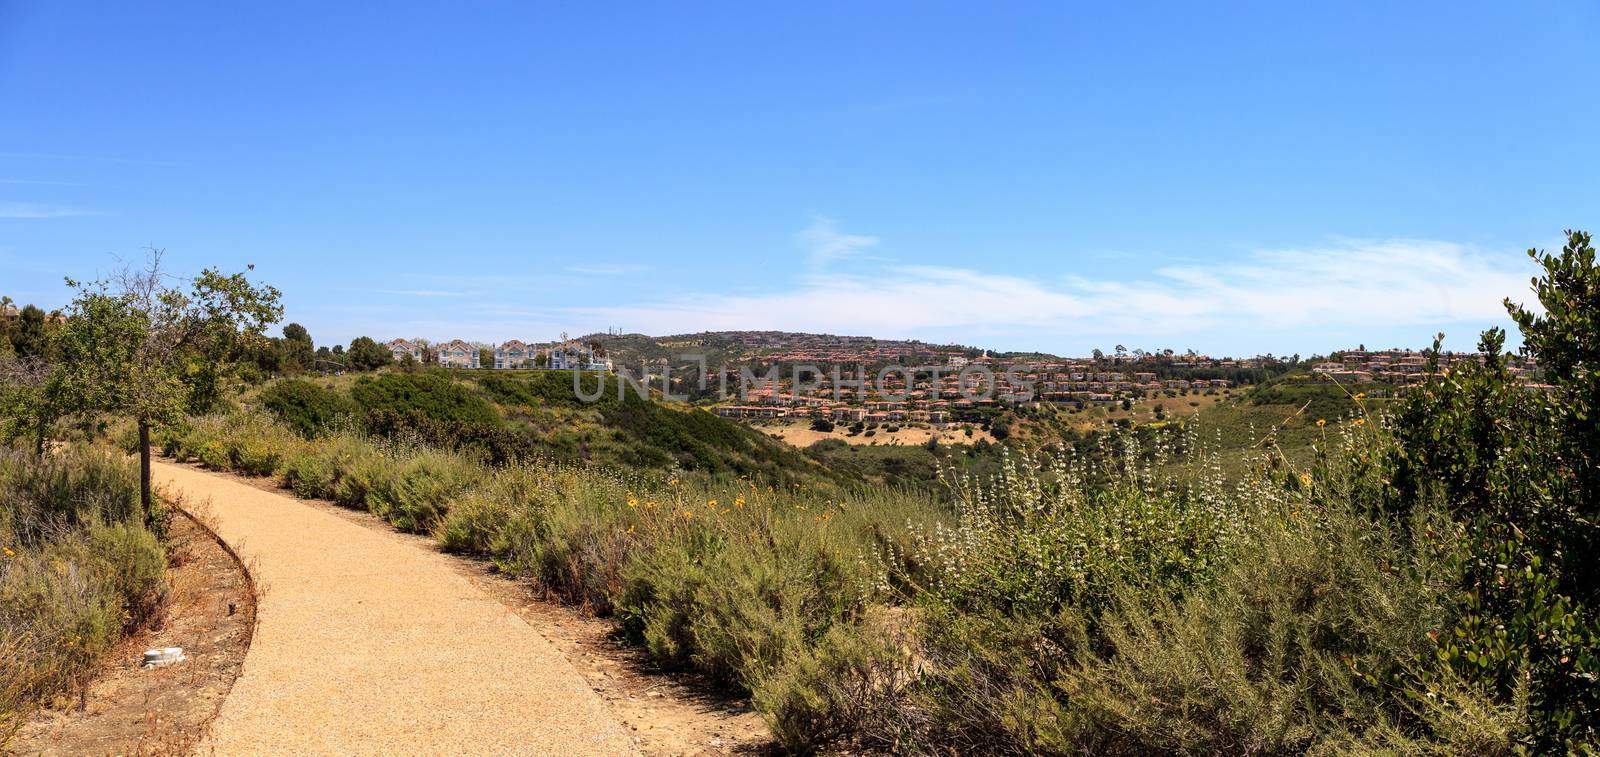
x=1130 y=599
x=78 y=568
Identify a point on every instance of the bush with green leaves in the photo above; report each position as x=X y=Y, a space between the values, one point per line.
x=308 y=408
x=420 y=487
x=1520 y=471
x=79 y=568
x=1417 y=582
x=425 y=394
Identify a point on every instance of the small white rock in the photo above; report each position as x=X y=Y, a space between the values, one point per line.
x=159 y=658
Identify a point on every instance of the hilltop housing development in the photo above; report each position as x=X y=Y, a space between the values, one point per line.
x=864 y=379
x=512 y=355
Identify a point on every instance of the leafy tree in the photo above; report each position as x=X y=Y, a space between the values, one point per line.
x=822 y=425
x=23 y=407
x=31 y=336
x=298 y=350
x=1566 y=340
x=366 y=354
x=1518 y=468
x=140 y=343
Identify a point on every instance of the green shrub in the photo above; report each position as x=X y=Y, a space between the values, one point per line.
x=1317 y=641
x=848 y=686
x=306 y=407
x=493 y=519
x=418 y=493
x=360 y=470
x=1520 y=472
x=429 y=395
x=307 y=473
x=79 y=569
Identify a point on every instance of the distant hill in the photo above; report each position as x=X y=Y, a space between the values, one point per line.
x=509 y=414
x=730 y=347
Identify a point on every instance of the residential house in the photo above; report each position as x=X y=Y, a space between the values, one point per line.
x=513 y=354
x=575 y=356
x=399 y=348
x=456 y=354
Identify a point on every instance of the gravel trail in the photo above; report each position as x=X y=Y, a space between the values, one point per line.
x=368 y=645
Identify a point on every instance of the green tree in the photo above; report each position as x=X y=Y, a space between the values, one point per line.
x=365 y=354
x=298 y=350
x=140 y=343
x=23 y=407
x=31 y=335
x=1566 y=341
x=1518 y=468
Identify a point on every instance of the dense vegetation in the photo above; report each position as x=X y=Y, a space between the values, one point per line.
x=537 y=415
x=1315 y=571
x=1419 y=580
x=78 y=568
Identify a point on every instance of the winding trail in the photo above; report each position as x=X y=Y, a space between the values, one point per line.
x=366 y=644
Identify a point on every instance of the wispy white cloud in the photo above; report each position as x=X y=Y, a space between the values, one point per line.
x=1351 y=287
x=825 y=244
x=607 y=269
x=34 y=210
x=421 y=293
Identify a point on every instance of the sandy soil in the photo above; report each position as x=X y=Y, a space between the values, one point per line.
x=131 y=710
x=367 y=644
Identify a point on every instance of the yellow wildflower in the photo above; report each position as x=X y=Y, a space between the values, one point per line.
x=673 y=482
x=1360 y=422
x=711 y=503
x=633 y=502
x=1361 y=395
x=738 y=501
x=9 y=553
x=1305 y=478
x=1322 y=422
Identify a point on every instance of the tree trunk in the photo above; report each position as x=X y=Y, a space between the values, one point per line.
x=144 y=469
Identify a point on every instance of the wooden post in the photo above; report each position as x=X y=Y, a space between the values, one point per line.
x=144 y=469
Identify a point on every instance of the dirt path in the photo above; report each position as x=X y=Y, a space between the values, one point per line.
x=366 y=645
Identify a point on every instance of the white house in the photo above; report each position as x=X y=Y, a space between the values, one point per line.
x=399 y=348
x=456 y=354
x=513 y=354
x=575 y=356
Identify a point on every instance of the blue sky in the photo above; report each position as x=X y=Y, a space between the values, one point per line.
x=1231 y=178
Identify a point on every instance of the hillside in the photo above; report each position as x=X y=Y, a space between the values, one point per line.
x=732 y=347
x=506 y=416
